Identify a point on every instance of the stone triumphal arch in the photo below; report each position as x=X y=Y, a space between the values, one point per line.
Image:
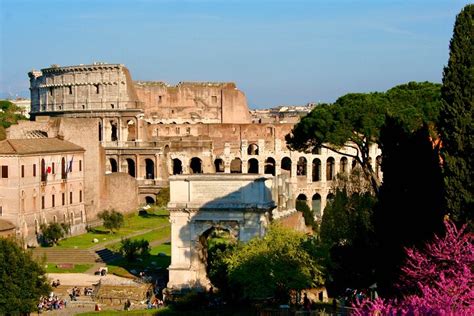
x=239 y=204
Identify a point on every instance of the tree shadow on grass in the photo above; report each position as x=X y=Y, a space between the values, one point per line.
x=99 y=231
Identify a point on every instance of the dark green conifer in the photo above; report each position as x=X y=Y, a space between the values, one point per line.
x=455 y=123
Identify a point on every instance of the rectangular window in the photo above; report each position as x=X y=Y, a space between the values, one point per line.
x=160 y=98
x=22 y=171
x=177 y=131
x=70 y=197
x=214 y=99
x=80 y=165
x=80 y=196
x=63 y=198
x=188 y=130
x=4 y=171
x=52 y=168
x=53 y=201
x=1 y=210
x=34 y=170
x=70 y=89
x=42 y=202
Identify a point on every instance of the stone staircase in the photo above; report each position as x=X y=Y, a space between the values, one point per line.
x=106 y=255
x=56 y=255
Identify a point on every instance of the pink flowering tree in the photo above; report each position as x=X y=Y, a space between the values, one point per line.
x=441 y=276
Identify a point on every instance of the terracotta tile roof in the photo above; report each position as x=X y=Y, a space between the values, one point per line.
x=36 y=146
x=6 y=225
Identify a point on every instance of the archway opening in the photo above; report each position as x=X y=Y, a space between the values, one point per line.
x=252 y=166
x=252 y=149
x=286 y=166
x=330 y=169
x=113 y=165
x=177 y=166
x=149 y=169
x=132 y=130
x=316 y=205
x=213 y=243
x=113 y=131
x=195 y=165
x=270 y=166
x=301 y=167
x=219 y=165
x=236 y=166
x=131 y=167
x=100 y=131
x=149 y=200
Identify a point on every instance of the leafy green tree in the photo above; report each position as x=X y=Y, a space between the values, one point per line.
x=353 y=122
x=9 y=114
x=22 y=280
x=410 y=206
x=132 y=249
x=112 y=219
x=308 y=214
x=347 y=233
x=273 y=265
x=455 y=124
x=52 y=233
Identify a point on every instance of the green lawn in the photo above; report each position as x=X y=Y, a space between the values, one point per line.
x=78 y=268
x=158 y=234
x=133 y=223
x=122 y=267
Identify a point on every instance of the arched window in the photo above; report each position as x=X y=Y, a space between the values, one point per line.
x=113 y=165
x=343 y=165
x=252 y=149
x=316 y=204
x=354 y=163
x=330 y=198
x=149 y=169
x=286 y=166
x=330 y=169
x=236 y=166
x=131 y=167
x=195 y=165
x=316 y=170
x=301 y=166
x=270 y=166
x=252 y=166
x=219 y=165
x=177 y=166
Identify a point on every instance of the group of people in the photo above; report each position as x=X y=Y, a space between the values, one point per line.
x=51 y=302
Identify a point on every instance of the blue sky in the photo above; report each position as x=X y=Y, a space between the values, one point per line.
x=278 y=52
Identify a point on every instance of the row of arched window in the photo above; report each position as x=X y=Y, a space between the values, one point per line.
x=196 y=166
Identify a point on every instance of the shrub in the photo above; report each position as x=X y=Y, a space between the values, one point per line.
x=308 y=214
x=51 y=233
x=112 y=219
x=163 y=197
x=131 y=249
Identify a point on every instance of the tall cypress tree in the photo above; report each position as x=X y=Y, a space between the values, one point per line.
x=455 y=123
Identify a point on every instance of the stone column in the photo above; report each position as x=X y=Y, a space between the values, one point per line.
x=323 y=172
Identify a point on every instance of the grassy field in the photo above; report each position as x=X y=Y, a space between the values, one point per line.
x=122 y=267
x=78 y=268
x=151 y=236
x=133 y=223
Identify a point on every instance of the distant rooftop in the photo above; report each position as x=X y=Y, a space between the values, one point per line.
x=36 y=146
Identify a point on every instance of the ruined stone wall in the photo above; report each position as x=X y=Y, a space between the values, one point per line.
x=121 y=192
x=190 y=102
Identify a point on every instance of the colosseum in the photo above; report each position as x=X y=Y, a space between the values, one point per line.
x=147 y=131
